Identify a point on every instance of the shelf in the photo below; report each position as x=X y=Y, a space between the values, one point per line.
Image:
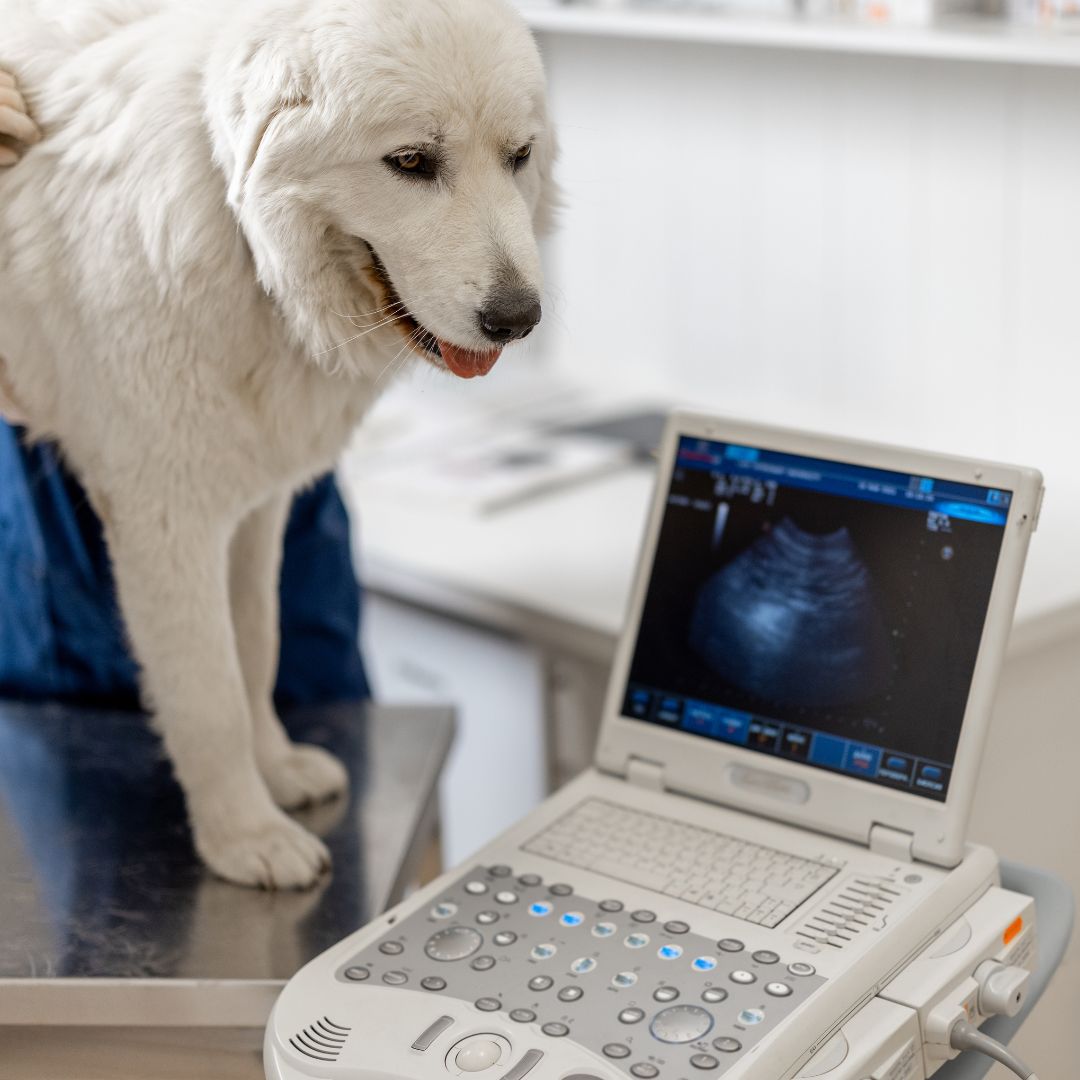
x=983 y=40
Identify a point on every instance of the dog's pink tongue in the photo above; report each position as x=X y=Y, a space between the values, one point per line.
x=467 y=364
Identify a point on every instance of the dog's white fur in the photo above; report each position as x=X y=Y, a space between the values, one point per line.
x=186 y=306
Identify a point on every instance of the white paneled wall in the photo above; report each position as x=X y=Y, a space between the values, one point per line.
x=877 y=246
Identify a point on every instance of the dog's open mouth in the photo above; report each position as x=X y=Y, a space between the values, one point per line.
x=465 y=363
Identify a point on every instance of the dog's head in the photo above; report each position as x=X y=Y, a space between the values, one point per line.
x=389 y=164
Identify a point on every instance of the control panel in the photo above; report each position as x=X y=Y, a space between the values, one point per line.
x=651 y=997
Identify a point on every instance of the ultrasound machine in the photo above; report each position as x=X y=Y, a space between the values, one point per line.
x=765 y=873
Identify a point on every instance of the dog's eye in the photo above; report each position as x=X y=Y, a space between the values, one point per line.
x=412 y=163
x=521 y=155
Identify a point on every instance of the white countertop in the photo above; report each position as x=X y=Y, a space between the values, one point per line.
x=556 y=568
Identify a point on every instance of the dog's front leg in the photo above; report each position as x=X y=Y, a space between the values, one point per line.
x=171 y=565
x=296 y=775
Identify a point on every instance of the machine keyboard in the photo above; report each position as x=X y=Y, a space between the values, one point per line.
x=734 y=877
x=652 y=996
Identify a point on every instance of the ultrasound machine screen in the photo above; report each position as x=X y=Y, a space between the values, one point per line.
x=817 y=611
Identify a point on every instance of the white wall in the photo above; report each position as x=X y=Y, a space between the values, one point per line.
x=876 y=246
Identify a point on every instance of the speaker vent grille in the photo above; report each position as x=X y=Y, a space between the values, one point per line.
x=320 y=1041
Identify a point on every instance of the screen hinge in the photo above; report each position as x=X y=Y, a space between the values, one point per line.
x=645 y=773
x=892 y=843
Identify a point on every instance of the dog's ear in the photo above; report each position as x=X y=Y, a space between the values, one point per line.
x=250 y=92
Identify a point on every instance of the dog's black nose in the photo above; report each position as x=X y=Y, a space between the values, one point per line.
x=509 y=314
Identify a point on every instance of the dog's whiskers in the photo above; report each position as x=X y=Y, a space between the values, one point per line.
x=356 y=337
x=402 y=353
x=397 y=306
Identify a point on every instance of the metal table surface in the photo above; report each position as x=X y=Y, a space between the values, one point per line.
x=106 y=914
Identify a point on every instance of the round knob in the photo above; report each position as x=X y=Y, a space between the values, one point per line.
x=477 y=1055
x=453 y=943
x=681 y=1024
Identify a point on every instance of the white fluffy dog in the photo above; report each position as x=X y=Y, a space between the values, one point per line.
x=240 y=216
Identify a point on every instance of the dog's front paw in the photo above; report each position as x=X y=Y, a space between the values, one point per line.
x=303 y=775
x=271 y=853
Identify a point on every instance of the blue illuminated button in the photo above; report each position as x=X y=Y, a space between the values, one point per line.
x=443 y=910
x=931 y=777
x=703 y=963
x=750 y=1017
x=571 y=918
x=583 y=965
x=636 y=941
x=862 y=760
x=624 y=979
x=669 y=952
x=543 y=951
x=540 y=908
x=604 y=929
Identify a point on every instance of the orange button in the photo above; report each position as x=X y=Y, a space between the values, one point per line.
x=1013 y=929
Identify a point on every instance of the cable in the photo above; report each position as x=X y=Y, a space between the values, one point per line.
x=965 y=1036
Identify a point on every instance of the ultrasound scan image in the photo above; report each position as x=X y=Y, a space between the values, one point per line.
x=794 y=619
